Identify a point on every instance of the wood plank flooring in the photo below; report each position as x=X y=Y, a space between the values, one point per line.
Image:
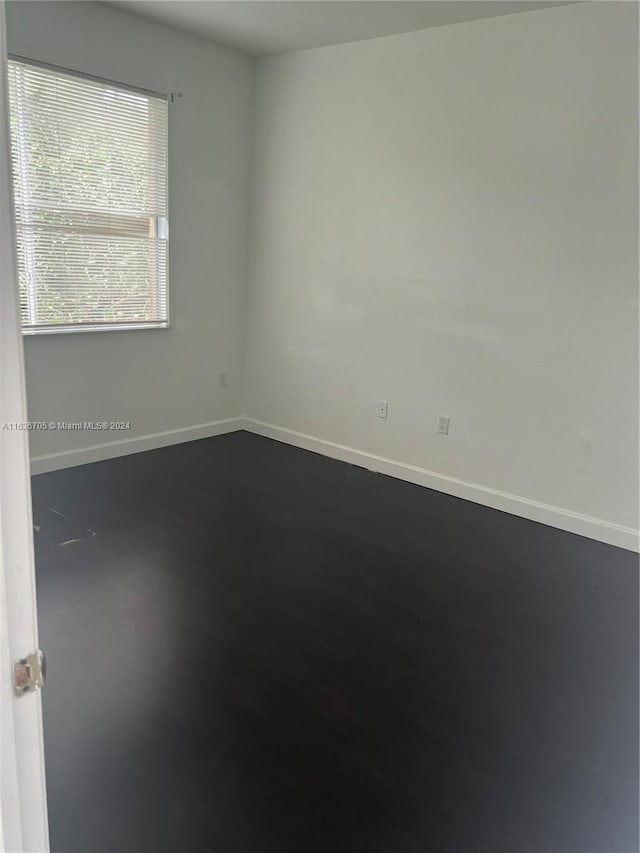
x=262 y=650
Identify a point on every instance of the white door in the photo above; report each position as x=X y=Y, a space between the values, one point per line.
x=23 y=804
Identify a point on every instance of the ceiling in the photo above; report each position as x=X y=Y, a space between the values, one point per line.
x=261 y=27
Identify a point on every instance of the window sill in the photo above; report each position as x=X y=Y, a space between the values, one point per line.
x=98 y=327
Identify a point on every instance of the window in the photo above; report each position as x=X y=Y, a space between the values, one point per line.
x=90 y=191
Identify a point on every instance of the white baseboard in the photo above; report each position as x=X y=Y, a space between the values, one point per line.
x=574 y=522
x=124 y=446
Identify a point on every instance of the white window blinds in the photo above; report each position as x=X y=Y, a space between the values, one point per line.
x=90 y=190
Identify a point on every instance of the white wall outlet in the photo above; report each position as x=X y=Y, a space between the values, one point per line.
x=443 y=424
x=222 y=380
x=383 y=408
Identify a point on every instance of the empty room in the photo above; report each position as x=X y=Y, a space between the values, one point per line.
x=319 y=426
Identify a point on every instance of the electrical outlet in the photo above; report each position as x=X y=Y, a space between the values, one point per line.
x=383 y=408
x=222 y=380
x=443 y=424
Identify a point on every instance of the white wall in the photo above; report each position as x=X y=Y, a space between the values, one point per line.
x=158 y=379
x=447 y=219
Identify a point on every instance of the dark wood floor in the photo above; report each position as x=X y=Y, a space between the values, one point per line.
x=265 y=651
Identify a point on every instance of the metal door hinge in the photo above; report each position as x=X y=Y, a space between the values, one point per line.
x=29 y=673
